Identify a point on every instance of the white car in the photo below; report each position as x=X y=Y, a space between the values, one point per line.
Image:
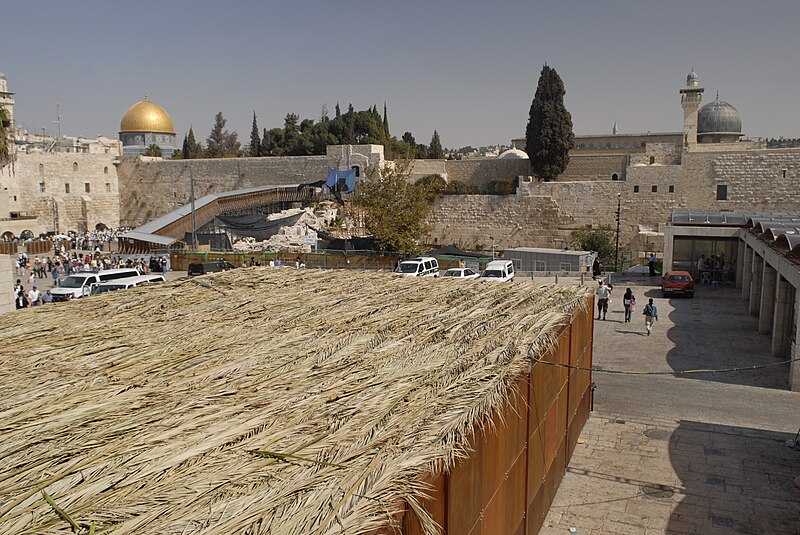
x=461 y=273
x=498 y=271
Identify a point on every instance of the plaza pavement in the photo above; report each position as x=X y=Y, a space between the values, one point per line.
x=690 y=454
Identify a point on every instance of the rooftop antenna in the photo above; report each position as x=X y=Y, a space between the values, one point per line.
x=57 y=122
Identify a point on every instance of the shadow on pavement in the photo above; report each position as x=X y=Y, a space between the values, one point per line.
x=734 y=480
x=714 y=330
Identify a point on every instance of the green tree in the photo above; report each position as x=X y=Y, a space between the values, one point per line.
x=5 y=126
x=394 y=210
x=255 y=139
x=153 y=150
x=549 y=135
x=221 y=143
x=191 y=148
x=385 y=122
x=177 y=154
x=435 y=151
x=600 y=240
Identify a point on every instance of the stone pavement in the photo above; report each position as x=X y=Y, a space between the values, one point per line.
x=687 y=454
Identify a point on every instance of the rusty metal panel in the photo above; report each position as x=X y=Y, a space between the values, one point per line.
x=434 y=505
x=464 y=495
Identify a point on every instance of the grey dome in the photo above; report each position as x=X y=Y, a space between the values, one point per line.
x=718 y=117
x=692 y=77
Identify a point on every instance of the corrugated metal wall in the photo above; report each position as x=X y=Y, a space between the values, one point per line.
x=508 y=483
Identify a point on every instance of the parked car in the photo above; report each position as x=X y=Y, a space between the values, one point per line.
x=498 y=271
x=80 y=284
x=214 y=266
x=677 y=283
x=461 y=273
x=425 y=266
x=129 y=282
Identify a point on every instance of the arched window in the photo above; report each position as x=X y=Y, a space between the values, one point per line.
x=41 y=168
x=75 y=166
x=105 y=170
x=652 y=160
x=614 y=176
x=357 y=170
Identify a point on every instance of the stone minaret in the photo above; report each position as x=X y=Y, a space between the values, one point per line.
x=691 y=96
x=6 y=98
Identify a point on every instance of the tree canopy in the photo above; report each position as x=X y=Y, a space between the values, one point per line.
x=549 y=135
x=435 y=151
x=221 y=143
x=5 y=125
x=600 y=240
x=153 y=150
x=394 y=210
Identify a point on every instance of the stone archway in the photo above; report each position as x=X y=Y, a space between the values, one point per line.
x=100 y=227
x=7 y=236
x=25 y=234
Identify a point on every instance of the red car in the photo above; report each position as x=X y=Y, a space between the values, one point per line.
x=677 y=282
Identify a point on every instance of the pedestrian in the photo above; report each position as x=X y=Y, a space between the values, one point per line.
x=597 y=268
x=33 y=297
x=650 y=313
x=603 y=292
x=48 y=297
x=651 y=263
x=629 y=302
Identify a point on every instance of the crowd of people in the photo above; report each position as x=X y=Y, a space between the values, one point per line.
x=62 y=264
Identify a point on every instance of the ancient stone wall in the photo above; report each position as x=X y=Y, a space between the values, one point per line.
x=6 y=284
x=597 y=167
x=478 y=172
x=64 y=191
x=150 y=188
x=543 y=214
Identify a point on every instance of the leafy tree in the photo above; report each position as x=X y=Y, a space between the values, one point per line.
x=177 y=154
x=385 y=122
x=5 y=126
x=153 y=150
x=221 y=143
x=338 y=110
x=435 y=151
x=600 y=240
x=549 y=135
x=255 y=139
x=191 y=148
x=394 y=210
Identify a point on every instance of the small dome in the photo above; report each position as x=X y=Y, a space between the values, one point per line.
x=513 y=154
x=692 y=79
x=2 y=76
x=718 y=117
x=146 y=116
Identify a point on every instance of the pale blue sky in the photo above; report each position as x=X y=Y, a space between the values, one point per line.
x=466 y=68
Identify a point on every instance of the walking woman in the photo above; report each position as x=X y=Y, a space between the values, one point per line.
x=629 y=302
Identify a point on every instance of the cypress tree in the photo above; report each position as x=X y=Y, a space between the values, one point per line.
x=338 y=110
x=185 y=149
x=549 y=136
x=435 y=151
x=385 y=122
x=255 y=139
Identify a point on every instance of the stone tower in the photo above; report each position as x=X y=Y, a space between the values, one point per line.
x=691 y=97
x=6 y=98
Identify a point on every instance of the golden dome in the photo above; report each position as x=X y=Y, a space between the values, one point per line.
x=146 y=116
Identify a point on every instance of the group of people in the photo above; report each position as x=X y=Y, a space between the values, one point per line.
x=603 y=293
x=31 y=298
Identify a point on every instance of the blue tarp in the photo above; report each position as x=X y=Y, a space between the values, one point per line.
x=344 y=181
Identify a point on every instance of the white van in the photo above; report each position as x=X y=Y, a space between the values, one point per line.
x=498 y=271
x=128 y=282
x=80 y=284
x=424 y=266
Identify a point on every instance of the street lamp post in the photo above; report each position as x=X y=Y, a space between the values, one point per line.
x=492 y=238
x=616 y=244
x=191 y=193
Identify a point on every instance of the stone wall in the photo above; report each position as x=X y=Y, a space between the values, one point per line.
x=543 y=214
x=6 y=284
x=64 y=191
x=595 y=167
x=478 y=172
x=150 y=188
